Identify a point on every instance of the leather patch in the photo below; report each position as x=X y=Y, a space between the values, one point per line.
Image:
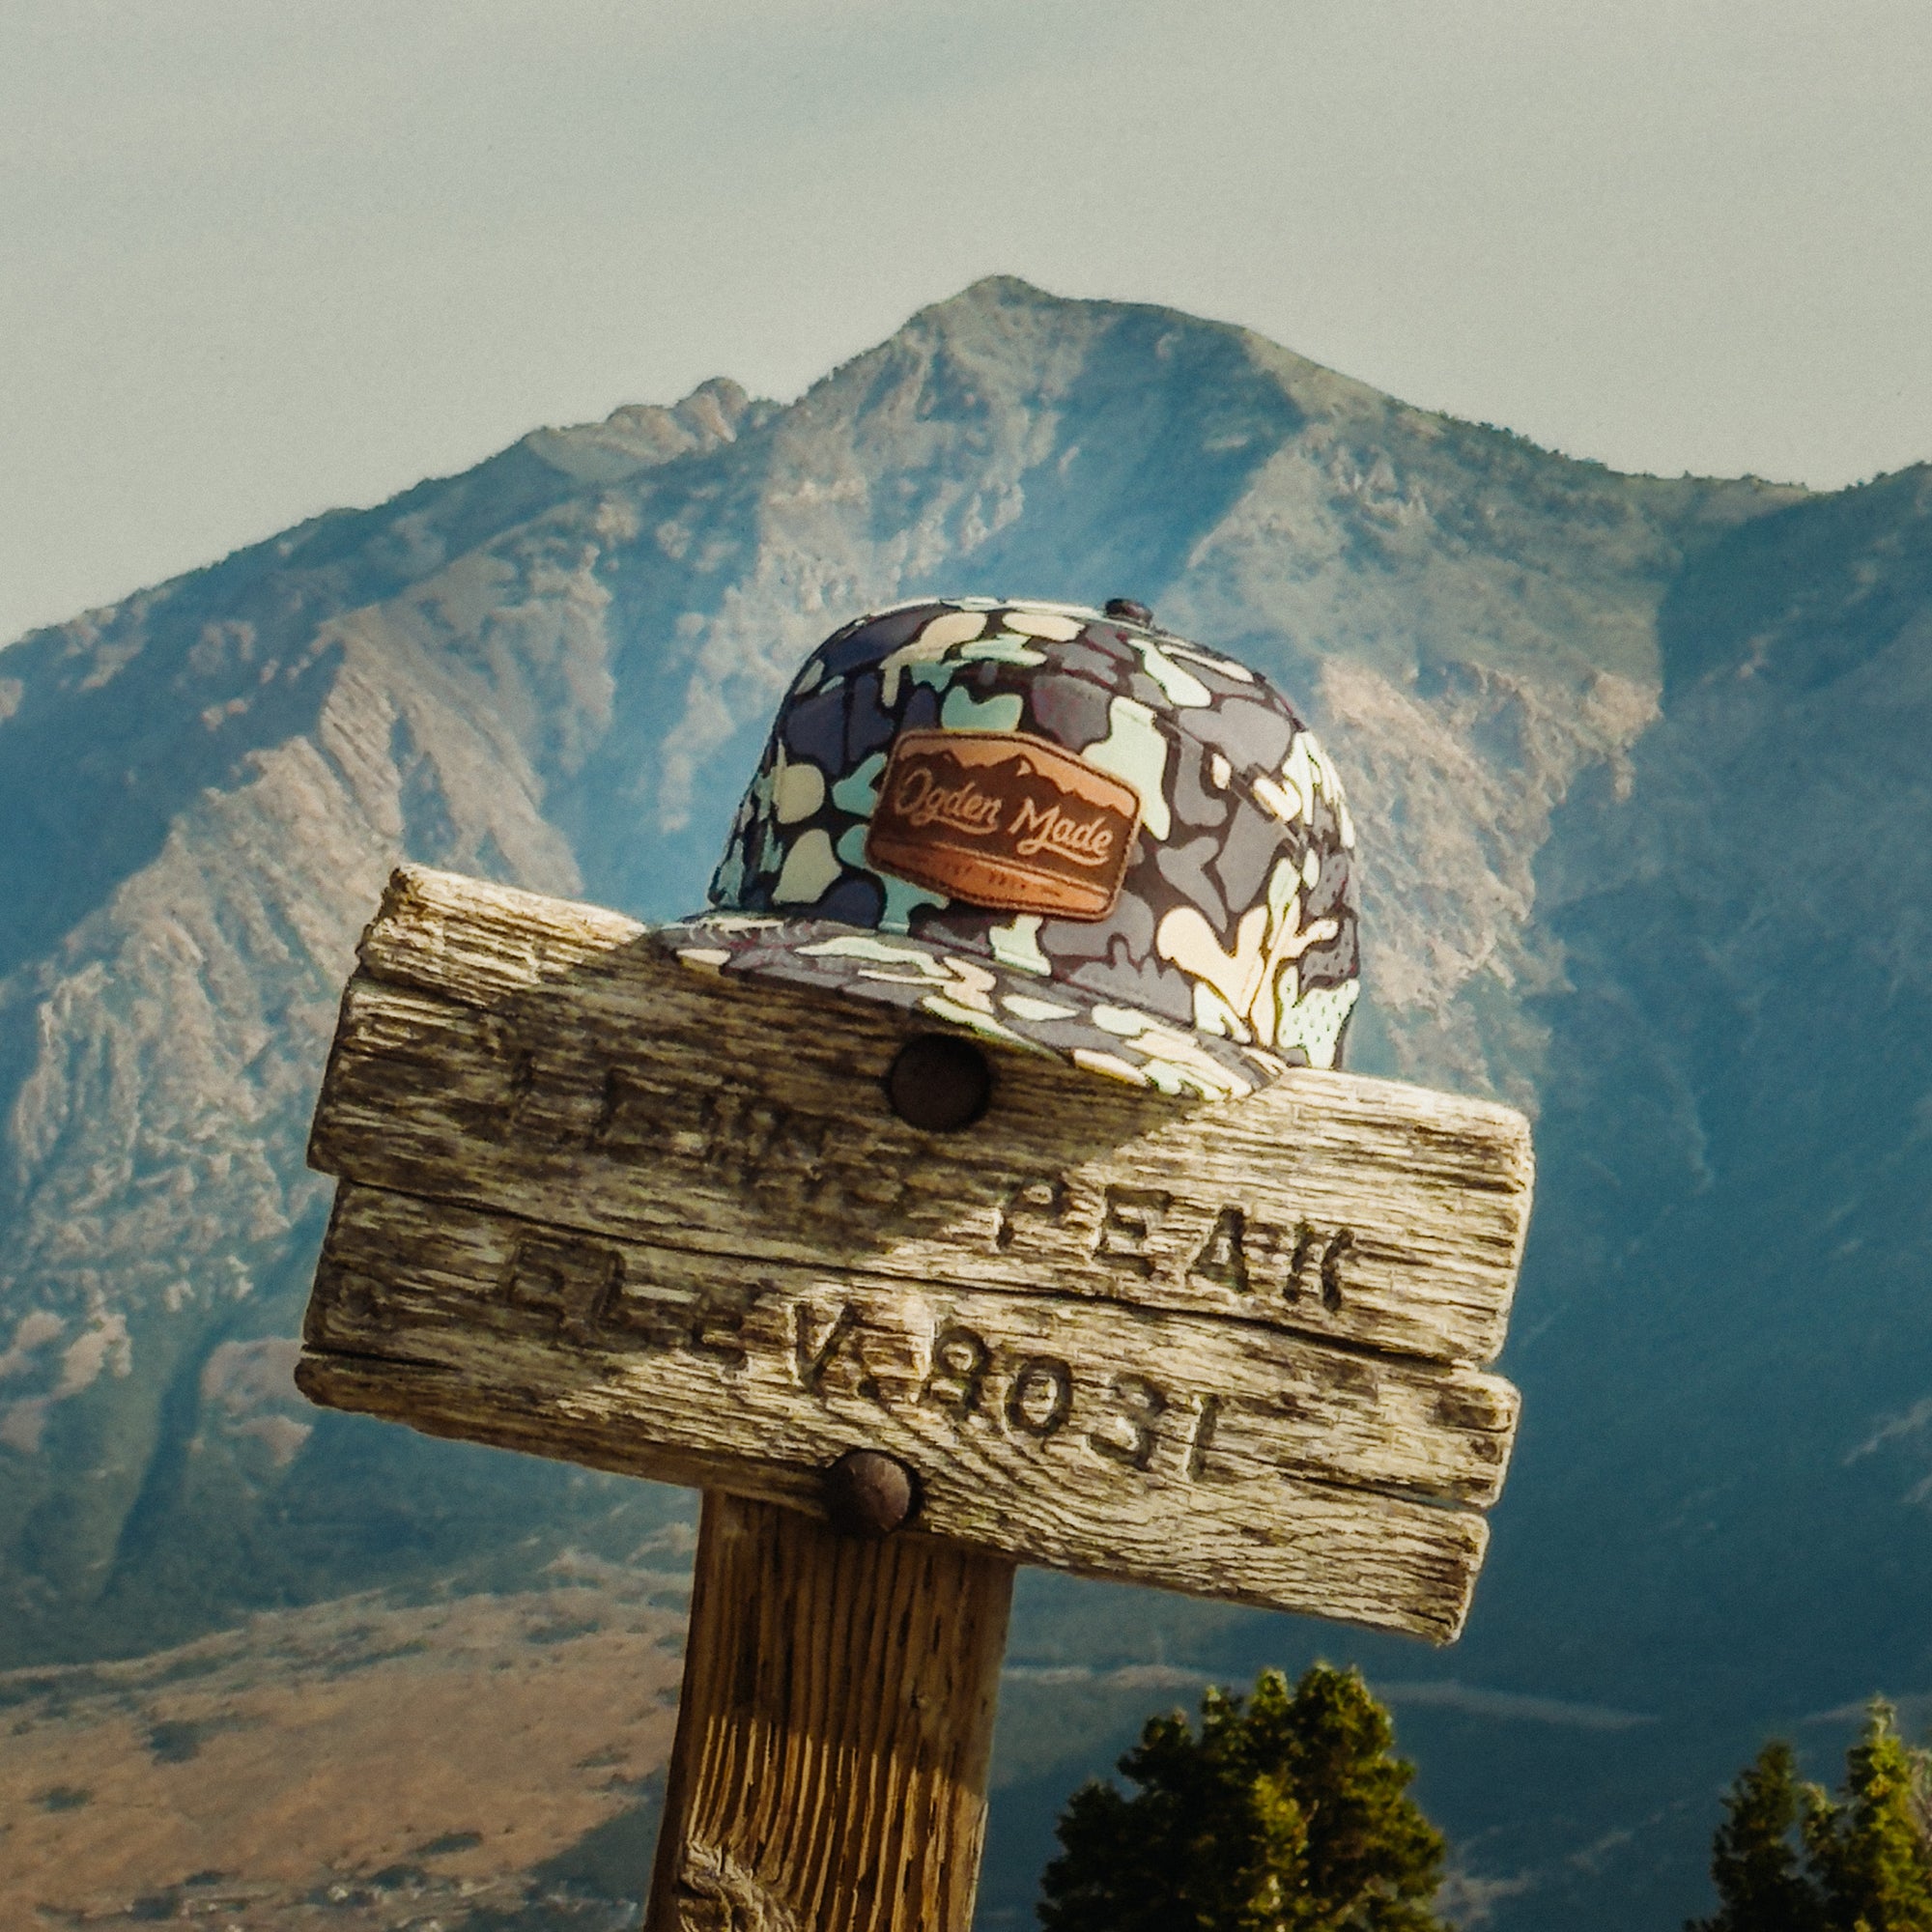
x=1002 y=820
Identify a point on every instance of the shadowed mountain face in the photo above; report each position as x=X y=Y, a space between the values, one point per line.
x=1647 y=829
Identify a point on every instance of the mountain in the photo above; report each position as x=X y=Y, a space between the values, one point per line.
x=1647 y=834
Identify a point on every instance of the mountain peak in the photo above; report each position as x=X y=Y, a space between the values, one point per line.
x=1001 y=290
x=1631 y=903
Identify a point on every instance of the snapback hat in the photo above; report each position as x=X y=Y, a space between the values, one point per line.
x=1057 y=827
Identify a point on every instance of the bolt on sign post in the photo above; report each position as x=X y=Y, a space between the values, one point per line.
x=972 y=1188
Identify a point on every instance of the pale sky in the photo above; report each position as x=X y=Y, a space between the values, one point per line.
x=260 y=257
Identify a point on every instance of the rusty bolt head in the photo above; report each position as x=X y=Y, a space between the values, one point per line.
x=867 y=1494
x=939 y=1083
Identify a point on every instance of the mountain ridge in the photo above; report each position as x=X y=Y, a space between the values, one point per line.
x=1598 y=881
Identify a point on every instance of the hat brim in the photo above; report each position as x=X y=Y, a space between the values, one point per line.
x=973 y=993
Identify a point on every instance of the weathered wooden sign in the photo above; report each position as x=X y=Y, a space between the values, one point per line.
x=599 y=1205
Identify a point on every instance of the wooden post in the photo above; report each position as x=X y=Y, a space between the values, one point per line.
x=599 y=1205
x=837 y=1722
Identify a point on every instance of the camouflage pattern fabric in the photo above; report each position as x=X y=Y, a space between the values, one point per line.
x=1230 y=952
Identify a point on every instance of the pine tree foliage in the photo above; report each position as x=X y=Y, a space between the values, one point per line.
x=1788 y=1858
x=1870 y=1852
x=1287 y=1813
x=1757 y=1857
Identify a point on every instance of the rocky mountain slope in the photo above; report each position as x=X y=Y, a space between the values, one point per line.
x=1638 y=769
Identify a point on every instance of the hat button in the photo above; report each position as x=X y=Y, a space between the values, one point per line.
x=1130 y=610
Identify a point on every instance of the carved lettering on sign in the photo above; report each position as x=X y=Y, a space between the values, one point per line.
x=829 y=1170
x=976 y=1382
x=717 y=1325
x=1313 y=1263
x=961 y=1362
x=516 y=1069
x=571 y=1280
x=1130 y=1436
x=1320 y=1254
x=1339 y=1244
x=740 y=1136
x=1128 y=1218
x=627 y=1123
x=1202 y=1440
x=820 y=1347
x=815 y=1164
x=963 y=1372
x=1223 y=1258
x=1298 y=1260
x=1146 y=1231
x=1041 y=1199
x=582 y=1287
x=1042 y=1397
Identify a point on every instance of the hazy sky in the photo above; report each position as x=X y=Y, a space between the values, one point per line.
x=258 y=257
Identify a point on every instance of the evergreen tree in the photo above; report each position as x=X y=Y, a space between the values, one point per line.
x=1756 y=1857
x=1287 y=1813
x=1870 y=1851
x=1790 y=1859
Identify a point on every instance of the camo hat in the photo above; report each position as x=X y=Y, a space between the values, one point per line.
x=1060 y=827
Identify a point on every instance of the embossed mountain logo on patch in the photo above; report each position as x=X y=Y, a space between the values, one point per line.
x=1002 y=820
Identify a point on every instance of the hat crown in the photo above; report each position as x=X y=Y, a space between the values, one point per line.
x=1076 y=797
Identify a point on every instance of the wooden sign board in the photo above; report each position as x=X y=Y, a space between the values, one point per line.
x=601 y=1205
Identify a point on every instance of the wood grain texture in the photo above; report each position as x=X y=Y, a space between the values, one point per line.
x=791 y=1364
x=1222 y=1458
x=835 y=1730
x=602 y=1206
x=547 y=1060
